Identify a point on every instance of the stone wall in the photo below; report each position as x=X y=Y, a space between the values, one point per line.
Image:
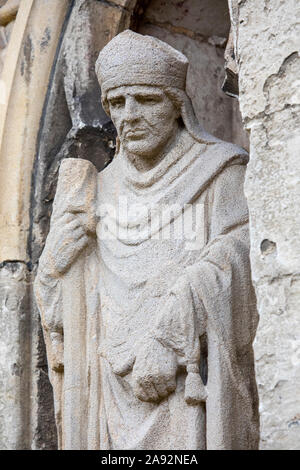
x=267 y=45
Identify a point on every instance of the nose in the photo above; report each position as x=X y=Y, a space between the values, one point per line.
x=131 y=111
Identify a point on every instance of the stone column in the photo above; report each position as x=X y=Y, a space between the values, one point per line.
x=14 y=356
x=28 y=51
x=266 y=37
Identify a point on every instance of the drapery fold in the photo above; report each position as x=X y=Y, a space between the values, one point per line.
x=212 y=297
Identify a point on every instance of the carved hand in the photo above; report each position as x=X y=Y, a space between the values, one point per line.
x=154 y=371
x=65 y=241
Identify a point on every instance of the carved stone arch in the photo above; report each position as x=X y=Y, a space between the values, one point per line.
x=24 y=81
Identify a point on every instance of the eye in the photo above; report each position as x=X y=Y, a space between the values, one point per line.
x=117 y=102
x=148 y=99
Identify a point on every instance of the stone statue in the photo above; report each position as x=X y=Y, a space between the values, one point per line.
x=148 y=326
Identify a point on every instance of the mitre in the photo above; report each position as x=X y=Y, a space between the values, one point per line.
x=133 y=59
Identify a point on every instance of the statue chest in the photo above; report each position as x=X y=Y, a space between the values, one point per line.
x=135 y=277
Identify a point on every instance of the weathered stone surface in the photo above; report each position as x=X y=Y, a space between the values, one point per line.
x=25 y=78
x=231 y=81
x=5 y=33
x=143 y=322
x=26 y=404
x=270 y=104
x=206 y=68
x=8 y=11
x=42 y=67
x=189 y=27
x=74 y=123
x=205 y=19
x=26 y=420
x=43 y=434
x=277 y=362
x=14 y=357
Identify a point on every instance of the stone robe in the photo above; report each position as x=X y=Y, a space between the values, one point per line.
x=141 y=277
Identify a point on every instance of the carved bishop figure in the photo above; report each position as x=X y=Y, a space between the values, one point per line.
x=144 y=284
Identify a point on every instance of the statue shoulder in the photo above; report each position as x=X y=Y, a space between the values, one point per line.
x=220 y=154
x=232 y=150
x=213 y=157
x=228 y=149
x=201 y=137
x=227 y=202
x=230 y=164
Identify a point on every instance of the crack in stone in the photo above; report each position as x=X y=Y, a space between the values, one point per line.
x=282 y=69
x=267 y=280
x=264 y=116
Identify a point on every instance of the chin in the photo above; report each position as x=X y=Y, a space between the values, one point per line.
x=140 y=149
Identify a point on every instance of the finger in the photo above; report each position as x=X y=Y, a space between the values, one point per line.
x=67 y=218
x=72 y=225
x=61 y=229
x=62 y=218
x=82 y=242
x=161 y=388
x=68 y=235
x=77 y=233
x=139 y=393
x=73 y=244
x=70 y=252
x=146 y=384
x=171 y=386
x=164 y=385
x=143 y=394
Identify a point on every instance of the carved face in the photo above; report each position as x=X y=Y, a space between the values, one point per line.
x=145 y=118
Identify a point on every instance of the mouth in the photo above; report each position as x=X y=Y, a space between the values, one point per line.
x=135 y=134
